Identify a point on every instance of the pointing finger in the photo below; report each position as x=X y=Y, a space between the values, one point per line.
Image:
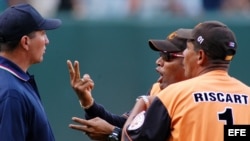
x=71 y=70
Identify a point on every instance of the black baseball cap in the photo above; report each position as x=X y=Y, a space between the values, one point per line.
x=22 y=19
x=173 y=43
x=215 y=38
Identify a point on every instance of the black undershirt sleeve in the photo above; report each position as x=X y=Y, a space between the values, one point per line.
x=97 y=110
x=156 y=126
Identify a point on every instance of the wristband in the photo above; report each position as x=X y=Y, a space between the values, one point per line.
x=88 y=106
x=145 y=99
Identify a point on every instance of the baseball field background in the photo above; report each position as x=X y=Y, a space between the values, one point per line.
x=116 y=55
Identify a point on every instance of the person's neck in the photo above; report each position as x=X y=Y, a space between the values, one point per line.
x=213 y=67
x=17 y=58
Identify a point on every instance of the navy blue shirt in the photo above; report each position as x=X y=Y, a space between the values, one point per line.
x=22 y=116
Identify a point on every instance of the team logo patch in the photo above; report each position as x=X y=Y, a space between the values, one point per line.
x=231 y=44
x=172 y=36
x=137 y=121
x=200 y=39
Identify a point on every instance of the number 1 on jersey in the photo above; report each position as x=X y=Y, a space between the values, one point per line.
x=226 y=115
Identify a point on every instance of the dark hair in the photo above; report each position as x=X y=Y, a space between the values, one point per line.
x=11 y=45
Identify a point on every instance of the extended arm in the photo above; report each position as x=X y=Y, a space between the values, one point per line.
x=97 y=110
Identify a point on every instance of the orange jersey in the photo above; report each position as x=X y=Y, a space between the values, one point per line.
x=194 y=110
x=200 y=107
x=155 y=89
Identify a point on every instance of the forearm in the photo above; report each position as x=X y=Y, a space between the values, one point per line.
x=97 y=110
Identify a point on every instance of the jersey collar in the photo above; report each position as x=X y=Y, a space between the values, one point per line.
x=12 y=68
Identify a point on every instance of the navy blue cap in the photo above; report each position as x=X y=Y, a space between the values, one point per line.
x=22 y=19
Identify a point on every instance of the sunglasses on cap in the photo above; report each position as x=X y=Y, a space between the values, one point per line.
x=167 y=56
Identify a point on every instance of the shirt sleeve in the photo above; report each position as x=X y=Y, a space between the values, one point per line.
x=12 y=119
x=152 y=125
x=97 y=110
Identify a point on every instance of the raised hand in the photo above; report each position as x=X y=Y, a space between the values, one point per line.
x=82 y=86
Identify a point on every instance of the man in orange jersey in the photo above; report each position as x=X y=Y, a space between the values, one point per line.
x=169 y=66
x=198 y=108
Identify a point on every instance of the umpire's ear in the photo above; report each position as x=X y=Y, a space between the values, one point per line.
x=25 y=42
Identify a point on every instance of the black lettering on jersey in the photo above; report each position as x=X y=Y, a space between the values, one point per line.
x=206 y=97
x=220 y=97
x=229 y=98
x=198 y=97
x=212 y=96
x=237 y=99
x=245 y=98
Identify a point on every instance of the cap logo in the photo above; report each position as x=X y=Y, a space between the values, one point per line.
x=199 y=24
x=229 y=57
x=231 y=44
x=172 y=35
x=200 y=39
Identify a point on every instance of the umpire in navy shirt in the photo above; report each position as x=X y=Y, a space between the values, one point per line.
x=23 y=42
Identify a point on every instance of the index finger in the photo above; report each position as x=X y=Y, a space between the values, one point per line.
x=71 y=70
x=82 y=121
